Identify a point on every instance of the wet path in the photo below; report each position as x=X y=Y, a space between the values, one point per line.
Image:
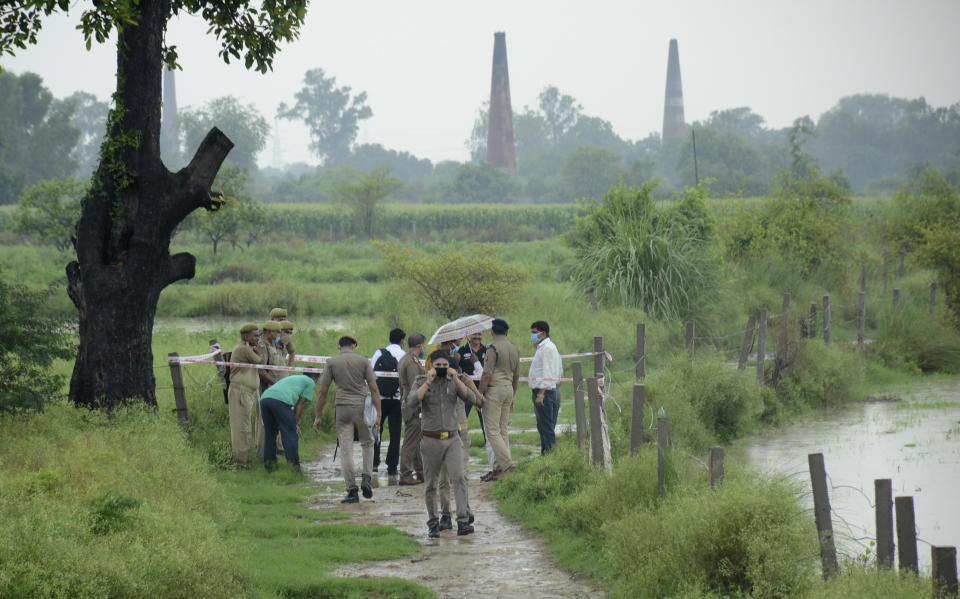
x=498 y=560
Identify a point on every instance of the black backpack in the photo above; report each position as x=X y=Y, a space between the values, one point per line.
x=388 y=386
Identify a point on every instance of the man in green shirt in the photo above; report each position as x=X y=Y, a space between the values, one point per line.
x=281 y=405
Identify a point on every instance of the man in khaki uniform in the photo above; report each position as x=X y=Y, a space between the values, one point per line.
x=437 y=394
x=268 y=349
x=498 y=385
x=353 y=375
x=464 y=429
x=409 y=368
x=244 y=393
x=286 y=341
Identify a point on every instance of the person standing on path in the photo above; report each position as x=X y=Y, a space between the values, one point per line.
x=409 y=369
x=498 y=385
x=243 y=394
x=545 y=369
x=353 y=375
x=463 y=428
x=437 y=395
x=281 y=405
x=387 y=359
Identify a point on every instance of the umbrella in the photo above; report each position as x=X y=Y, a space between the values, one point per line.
x=461 y=327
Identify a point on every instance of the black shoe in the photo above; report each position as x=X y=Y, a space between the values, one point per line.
x=391 y=471
x=352 y=496
x=463 y=528
x=365 y=486
x=445 y=523
x=470 y=518
x=434 y=532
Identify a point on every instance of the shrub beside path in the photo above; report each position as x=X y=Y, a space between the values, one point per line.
x=498 y=560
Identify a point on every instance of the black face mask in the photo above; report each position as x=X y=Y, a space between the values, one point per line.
x=441 y=372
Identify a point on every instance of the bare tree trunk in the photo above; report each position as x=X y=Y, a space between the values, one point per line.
x=128 y=218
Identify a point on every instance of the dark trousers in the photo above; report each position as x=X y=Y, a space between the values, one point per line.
x=467 y=407
x=393 y=418
x=279 y=417
x=547 y=417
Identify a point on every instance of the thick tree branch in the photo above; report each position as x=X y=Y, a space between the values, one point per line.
x=182 y=266
x=197 y=177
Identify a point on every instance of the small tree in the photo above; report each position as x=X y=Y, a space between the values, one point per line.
x=241 y=223
x=456 y=282
x=49 y=211
x=363 y=196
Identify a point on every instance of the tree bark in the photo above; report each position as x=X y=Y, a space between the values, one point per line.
x=126 y=224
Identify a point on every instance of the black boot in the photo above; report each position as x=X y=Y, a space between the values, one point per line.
x=352 y=496
x=434 y=532
x=464 y=528
x=470 y=518
x=365 y=486
x=445 y=523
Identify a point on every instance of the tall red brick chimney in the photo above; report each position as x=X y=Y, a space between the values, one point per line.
x=673 y=122
x=501 y=151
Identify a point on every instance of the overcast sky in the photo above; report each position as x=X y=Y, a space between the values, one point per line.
x=426 y=64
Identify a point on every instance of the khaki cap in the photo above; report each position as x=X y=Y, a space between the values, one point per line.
x=286 y=325
x=248 y=328
x=278 y=313
x=271 y=325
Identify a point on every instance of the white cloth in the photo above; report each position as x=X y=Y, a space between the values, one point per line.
x=546 y=365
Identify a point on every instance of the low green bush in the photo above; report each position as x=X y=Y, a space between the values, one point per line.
x=909 y=339
x=814 y=375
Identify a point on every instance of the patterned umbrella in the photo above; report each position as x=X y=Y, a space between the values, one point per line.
x=461 y=327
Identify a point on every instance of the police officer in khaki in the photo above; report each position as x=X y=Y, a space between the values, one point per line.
x=353 y=375
x=268 y=348
x=498 y=385
x=408 y=369
x=244 y=393
x=464 y=429
x=438 y=394
x=286 y=341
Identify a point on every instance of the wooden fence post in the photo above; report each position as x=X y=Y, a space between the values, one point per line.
x=179 y=395
x=883 y=502
x=896 y=297
x=861 y=317
x=636 y=417
x=715 y=461
x=900 y=264
x=943 y=562
x=906 y=534
x=811 y=328
x=598 y=358
x=826 y=320
x=884 y=275
x=821 y=511
x=863 y=277
x=583 y=433
x=593 y=301
x=663 y=445
x=933 y=298
x=641 y=351
x=761 y=345
x=747 y=342
x=331 y=232
x=688 y=338
x=599 y=441
x=784 y=330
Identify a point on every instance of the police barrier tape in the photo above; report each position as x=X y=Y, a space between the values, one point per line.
x=205 y=359
x=323 y=359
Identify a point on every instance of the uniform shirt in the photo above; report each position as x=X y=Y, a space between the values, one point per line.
x=502 y=362
x=546 y=365
x=397 y=352
x=272 y=354
x=290 y=389
x=352 y=374
x=441 y=405
x=409 y=369
x=466 y=358
x=286 y=346
x=245 y=376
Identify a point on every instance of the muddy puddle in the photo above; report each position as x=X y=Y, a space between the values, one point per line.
x=914 y=440
x=498 y=560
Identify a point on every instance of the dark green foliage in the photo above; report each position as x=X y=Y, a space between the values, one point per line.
x=30 y=341
x=49 y=211
x=814 y=376
x=111 y=512
x=910 y=339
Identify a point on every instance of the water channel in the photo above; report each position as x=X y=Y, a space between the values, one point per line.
x=913 y=439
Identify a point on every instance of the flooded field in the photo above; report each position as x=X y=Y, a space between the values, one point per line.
x=913 y=440
x=233 y=323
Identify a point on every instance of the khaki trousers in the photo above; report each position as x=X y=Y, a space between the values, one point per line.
x=240 y=401
x=444 y=484
x=496 y=419
x=437 y=454
x=410 y=460
x=347 y=417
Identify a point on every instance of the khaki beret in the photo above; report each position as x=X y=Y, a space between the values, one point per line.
x=278 y=313
x=286 y=325
x=248 y=327
x=271 y=325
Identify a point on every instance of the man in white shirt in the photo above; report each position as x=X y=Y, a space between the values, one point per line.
x=389 y=399
x=544 y=372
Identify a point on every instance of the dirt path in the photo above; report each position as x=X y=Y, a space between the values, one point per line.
x=498 y=560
